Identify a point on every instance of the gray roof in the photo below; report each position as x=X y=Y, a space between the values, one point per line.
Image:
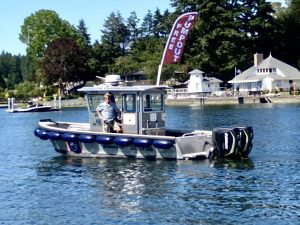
x=207 y=79
x=212 y=79
x=196 y=71
x=101 y=89
x=283 y=71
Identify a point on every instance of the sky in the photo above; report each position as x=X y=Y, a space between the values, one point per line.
x=93 y=12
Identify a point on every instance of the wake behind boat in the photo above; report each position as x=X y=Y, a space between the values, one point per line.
x=144 y=134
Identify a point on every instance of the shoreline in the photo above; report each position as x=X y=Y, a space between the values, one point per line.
x=206 y=101
x=198 y=101
x=234 y=100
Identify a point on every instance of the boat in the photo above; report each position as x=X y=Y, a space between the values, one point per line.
x=144 y=133
x=31 y=107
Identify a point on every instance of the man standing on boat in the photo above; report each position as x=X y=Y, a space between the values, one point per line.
x=108 y=113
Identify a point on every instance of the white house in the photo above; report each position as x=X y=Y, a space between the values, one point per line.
x=267 y=75
x=198 y=83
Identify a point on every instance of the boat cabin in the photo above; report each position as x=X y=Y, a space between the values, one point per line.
x=142 y=108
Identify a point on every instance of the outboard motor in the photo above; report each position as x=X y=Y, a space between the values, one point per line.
x=226 y=142
x=245 y=140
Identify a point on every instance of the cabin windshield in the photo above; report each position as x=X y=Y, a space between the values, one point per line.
x=153 y=102
x=96 y=99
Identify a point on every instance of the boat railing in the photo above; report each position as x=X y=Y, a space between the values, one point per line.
x=197 y=133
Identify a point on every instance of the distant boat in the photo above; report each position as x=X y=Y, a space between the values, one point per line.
x=31 y=107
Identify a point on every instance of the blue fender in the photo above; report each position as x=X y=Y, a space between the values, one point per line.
x=52 y=135
x=123 y=141
x=86 y=138
x=142 y=142
x=69 y=137
x=104 y=139
x=163 y=144
x=41 y=133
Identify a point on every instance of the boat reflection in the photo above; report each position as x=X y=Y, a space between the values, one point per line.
x=244 y=164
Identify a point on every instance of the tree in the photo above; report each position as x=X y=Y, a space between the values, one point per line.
x=42 y=27
x=115 y=35
x=288 y=35
x=227 y=34
x=12 y=70
x=161 y=23
x=27 y=69
x=65 y=61
x=147 y=25
x=100 y=60
x=132 y=26
x=27 y=90
x=82 y=29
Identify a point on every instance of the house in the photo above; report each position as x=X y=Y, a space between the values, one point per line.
x=199 y=83
x=197 y=86
x=137 y=78
x=268 y=74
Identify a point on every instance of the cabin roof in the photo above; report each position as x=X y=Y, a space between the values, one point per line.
x=101 y=89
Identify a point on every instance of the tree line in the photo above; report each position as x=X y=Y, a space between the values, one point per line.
x=225 y=36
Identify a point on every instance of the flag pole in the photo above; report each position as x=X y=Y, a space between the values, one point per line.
x=175 y=44
x=159 y=74
x=234 y=79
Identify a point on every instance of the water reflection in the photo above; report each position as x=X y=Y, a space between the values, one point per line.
x=244 y=164
x=38 y=188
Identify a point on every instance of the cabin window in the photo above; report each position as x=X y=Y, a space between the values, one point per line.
x=153 y=102
x=95 y=100
x=129 y=103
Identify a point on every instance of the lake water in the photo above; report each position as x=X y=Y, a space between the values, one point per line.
x=39 y=186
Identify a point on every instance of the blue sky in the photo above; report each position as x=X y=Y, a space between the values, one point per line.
x=93 y=12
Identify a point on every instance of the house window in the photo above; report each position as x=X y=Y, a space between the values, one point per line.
x=278 y=84
x=258 y=85
x=249 y=86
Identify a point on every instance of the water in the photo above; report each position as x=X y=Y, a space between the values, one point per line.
x=39 y=186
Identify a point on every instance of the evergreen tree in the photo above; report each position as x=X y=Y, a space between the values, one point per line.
x=227 y=34
x=82 y=29
x=288 y=36
x=132 y=26
x=100 y=60
x=116 y=35
x=147 y=25
x=11 y=70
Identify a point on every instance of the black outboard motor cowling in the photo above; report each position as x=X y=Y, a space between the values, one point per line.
x=245 y=140
x=226 y=142
x=233 y=142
